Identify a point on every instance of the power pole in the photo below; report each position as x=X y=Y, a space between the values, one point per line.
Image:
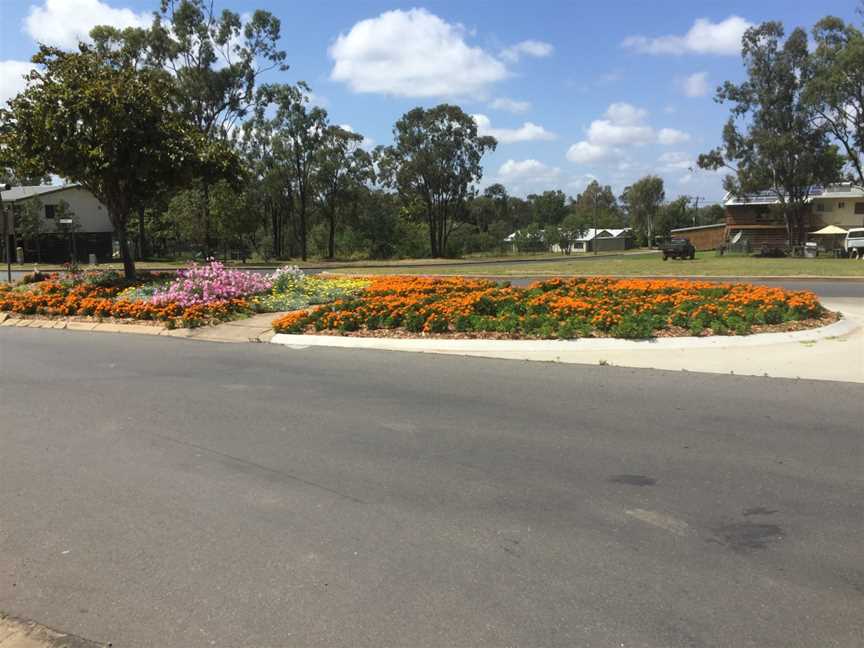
x=594 y=239
x=696 y=208
x=6 y=247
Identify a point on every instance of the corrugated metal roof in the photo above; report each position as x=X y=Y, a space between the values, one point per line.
x=697 y=227
x=831 y=191
x=22 y=193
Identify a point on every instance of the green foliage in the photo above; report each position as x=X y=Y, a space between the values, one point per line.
x=549 y=208
x=834 y=87
x=644 y=199
x=103 y=124
x=30 y=225
x=531 y=239
x=608 y=212
x=773 y=140
x=435 y=160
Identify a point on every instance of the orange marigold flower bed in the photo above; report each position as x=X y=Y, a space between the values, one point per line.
x=558 y=308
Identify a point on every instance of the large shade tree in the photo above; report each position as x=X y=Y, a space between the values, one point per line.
x=215 y=60
x=298 y=129
x=835 y=87
x=103 y=123
x=434 y=162
x=773 y=140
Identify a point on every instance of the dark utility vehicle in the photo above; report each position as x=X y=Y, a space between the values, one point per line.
x=678 y=248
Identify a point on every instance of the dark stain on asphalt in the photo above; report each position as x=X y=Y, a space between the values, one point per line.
x=745 y=536
x=633 y=480
x=758 y=510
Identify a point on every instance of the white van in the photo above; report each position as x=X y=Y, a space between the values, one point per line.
x=854 y=243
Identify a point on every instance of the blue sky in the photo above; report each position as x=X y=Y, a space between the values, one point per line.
x=573 y=91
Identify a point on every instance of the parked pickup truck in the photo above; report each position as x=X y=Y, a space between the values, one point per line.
x=678 y=248
x=854 y=243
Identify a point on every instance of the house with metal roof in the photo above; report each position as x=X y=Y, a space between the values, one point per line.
x=606 y=239
x=89 y=233
x=755 y=221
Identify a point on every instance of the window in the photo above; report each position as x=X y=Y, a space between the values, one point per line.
x=859 y=207
x=820 y=207
x=50 y=211
x=841 y=205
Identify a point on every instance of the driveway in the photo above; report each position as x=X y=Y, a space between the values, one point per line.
x=172 y=493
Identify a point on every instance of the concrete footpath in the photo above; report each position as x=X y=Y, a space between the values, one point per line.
x=835 y=352
x=251 y=329
x=15 y=633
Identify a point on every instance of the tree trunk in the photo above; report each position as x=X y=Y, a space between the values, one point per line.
x=331 y=241
x=303 y=231
x=142 y=242
x=205 y=215
x=433 y=241
x=125 y=252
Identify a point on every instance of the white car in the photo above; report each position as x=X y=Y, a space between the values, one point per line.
x=854 y=243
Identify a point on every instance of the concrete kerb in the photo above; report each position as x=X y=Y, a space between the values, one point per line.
x=840 y=328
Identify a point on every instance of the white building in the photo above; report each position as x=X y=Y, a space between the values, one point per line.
x=93 y=232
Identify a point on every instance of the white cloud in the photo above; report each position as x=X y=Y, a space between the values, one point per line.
x=695 y=85
x=64 y=23
x=625 y=114
x=622 y=125
x=675 y=160
x=537 y=49
x=608 y=133
x=586 y=152
x=579 y=183
x=528 y=132
x=412 y=54
x=524 y=176
x=510 y=105
x=672 y=136
x=12 y=78
x=704 y=37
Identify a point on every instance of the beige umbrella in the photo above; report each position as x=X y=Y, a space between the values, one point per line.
x=829 y=230
x=835 y=243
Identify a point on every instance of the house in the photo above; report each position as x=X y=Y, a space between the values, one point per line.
x=753 y=221
x=90 y=233
x=603 y=239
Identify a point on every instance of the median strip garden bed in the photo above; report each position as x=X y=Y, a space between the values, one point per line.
x=558 y=308
x=196 y=296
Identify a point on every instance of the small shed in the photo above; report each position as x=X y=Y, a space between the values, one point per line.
x=703 y=237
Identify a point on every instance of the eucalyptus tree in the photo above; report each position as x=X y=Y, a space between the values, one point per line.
x=298 y=136
x=644 y=199
x=835 y=87
x=773 y=140
x=215 y=60
x=435 y=161
x=342 y=170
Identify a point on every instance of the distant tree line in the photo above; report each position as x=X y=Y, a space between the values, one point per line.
x=171 y=128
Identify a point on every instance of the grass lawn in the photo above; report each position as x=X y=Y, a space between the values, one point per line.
x=633 y=262
x=706 y=264
x=314 y=263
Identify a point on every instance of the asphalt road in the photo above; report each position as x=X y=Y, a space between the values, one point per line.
x=161 y=492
